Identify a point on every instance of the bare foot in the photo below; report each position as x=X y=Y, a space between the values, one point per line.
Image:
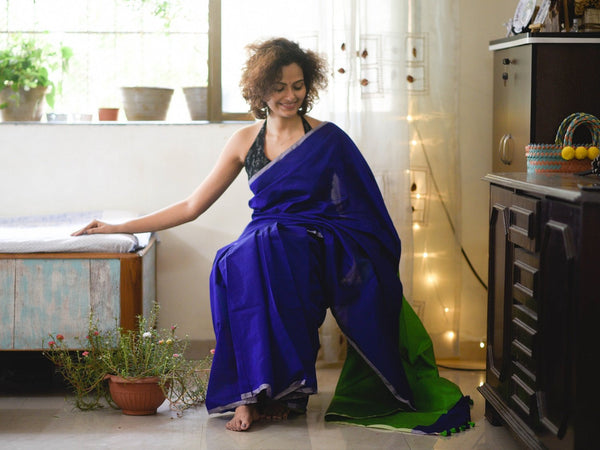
x=243 y=417
x=274 y=410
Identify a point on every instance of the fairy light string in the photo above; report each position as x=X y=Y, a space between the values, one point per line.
x=421 y=143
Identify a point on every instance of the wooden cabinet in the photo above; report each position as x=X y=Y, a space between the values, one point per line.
x=543 y=309
x=43 y=293
x=538 y=81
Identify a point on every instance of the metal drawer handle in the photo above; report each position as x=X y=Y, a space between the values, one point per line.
x=505 y=149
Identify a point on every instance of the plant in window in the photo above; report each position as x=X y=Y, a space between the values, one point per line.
x=27 y=72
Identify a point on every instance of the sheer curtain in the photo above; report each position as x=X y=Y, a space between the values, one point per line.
x=365 y=44
x=394 y=90
x=433 y=132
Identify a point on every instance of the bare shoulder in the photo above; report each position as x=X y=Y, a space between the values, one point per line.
x=312 y=121
x=239 y=143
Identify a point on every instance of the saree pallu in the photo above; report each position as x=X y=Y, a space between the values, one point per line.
x=321 y=237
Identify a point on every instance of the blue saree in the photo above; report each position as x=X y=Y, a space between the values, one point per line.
x=320 y=237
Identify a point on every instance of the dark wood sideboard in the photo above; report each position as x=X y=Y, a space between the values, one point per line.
x=544 y=309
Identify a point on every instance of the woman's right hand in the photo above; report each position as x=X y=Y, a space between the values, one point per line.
x=96 y=227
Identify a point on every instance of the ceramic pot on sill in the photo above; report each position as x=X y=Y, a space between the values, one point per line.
x=28 y=107
x=146 y=103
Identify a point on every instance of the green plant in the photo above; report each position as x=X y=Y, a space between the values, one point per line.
x=132 y=354
x=28 y=64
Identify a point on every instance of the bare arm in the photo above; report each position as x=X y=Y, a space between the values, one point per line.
x=226 y=169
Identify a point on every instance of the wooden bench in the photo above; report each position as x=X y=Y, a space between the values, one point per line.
x=42 y=293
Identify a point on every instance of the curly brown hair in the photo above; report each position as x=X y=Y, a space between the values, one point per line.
x=263 y=69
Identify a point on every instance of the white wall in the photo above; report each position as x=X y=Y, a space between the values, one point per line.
x=480 y=22
x=50 y=168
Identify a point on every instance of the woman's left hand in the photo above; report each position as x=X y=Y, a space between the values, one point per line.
x=96 y=227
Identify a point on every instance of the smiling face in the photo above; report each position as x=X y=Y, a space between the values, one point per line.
x=288 y=92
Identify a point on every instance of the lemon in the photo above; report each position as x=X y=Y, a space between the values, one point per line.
x=568 y=153
x=581 y=153
x=593 y=152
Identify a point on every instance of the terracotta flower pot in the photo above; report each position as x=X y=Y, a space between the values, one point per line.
x=139 y=397
x=30 y=104
x=108 y=114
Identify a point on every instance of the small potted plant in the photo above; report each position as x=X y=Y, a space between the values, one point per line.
x=147 y=360
x=26 y=72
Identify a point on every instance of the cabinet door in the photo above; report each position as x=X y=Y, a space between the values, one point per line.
x=498 y=291
x=512 y=108
x=557 y=306
x=563 y=88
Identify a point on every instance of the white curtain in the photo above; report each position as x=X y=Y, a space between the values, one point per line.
x=433 y=106
x=394 y=90
x=365 y=44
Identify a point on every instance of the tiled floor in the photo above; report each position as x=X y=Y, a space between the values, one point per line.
x=45 y=419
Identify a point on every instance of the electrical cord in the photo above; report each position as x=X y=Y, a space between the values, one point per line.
x=449 y=218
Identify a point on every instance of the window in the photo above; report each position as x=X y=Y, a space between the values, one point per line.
x=257 y=20
x=119 y=43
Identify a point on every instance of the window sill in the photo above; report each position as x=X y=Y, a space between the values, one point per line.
x=128 y=123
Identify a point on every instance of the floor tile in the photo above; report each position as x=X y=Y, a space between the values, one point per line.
x=47 y=419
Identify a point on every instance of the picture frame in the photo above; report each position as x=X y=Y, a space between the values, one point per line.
x=523 y=14
x=542 y=13
x=549 y=17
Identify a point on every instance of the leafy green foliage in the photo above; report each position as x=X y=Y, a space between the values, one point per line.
x=131 y=354
x=27 y=64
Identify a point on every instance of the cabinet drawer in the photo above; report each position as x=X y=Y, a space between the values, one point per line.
x=524 y=334
x=522 y=396
x=524 y=374
x=523 y=355
x=523 y=222
x=525 y=283
x=525 y=315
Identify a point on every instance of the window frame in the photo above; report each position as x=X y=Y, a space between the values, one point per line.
x=215 y=111
x=215 y=92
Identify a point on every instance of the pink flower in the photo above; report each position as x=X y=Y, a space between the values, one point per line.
x=96 y=333
x=162 y=341
x=173 y=327
x=176 y=355
x=85 y=354
x=212 y=351
x=51 y=343
x=60 y=337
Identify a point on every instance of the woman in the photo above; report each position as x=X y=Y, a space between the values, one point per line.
x=320 y=237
